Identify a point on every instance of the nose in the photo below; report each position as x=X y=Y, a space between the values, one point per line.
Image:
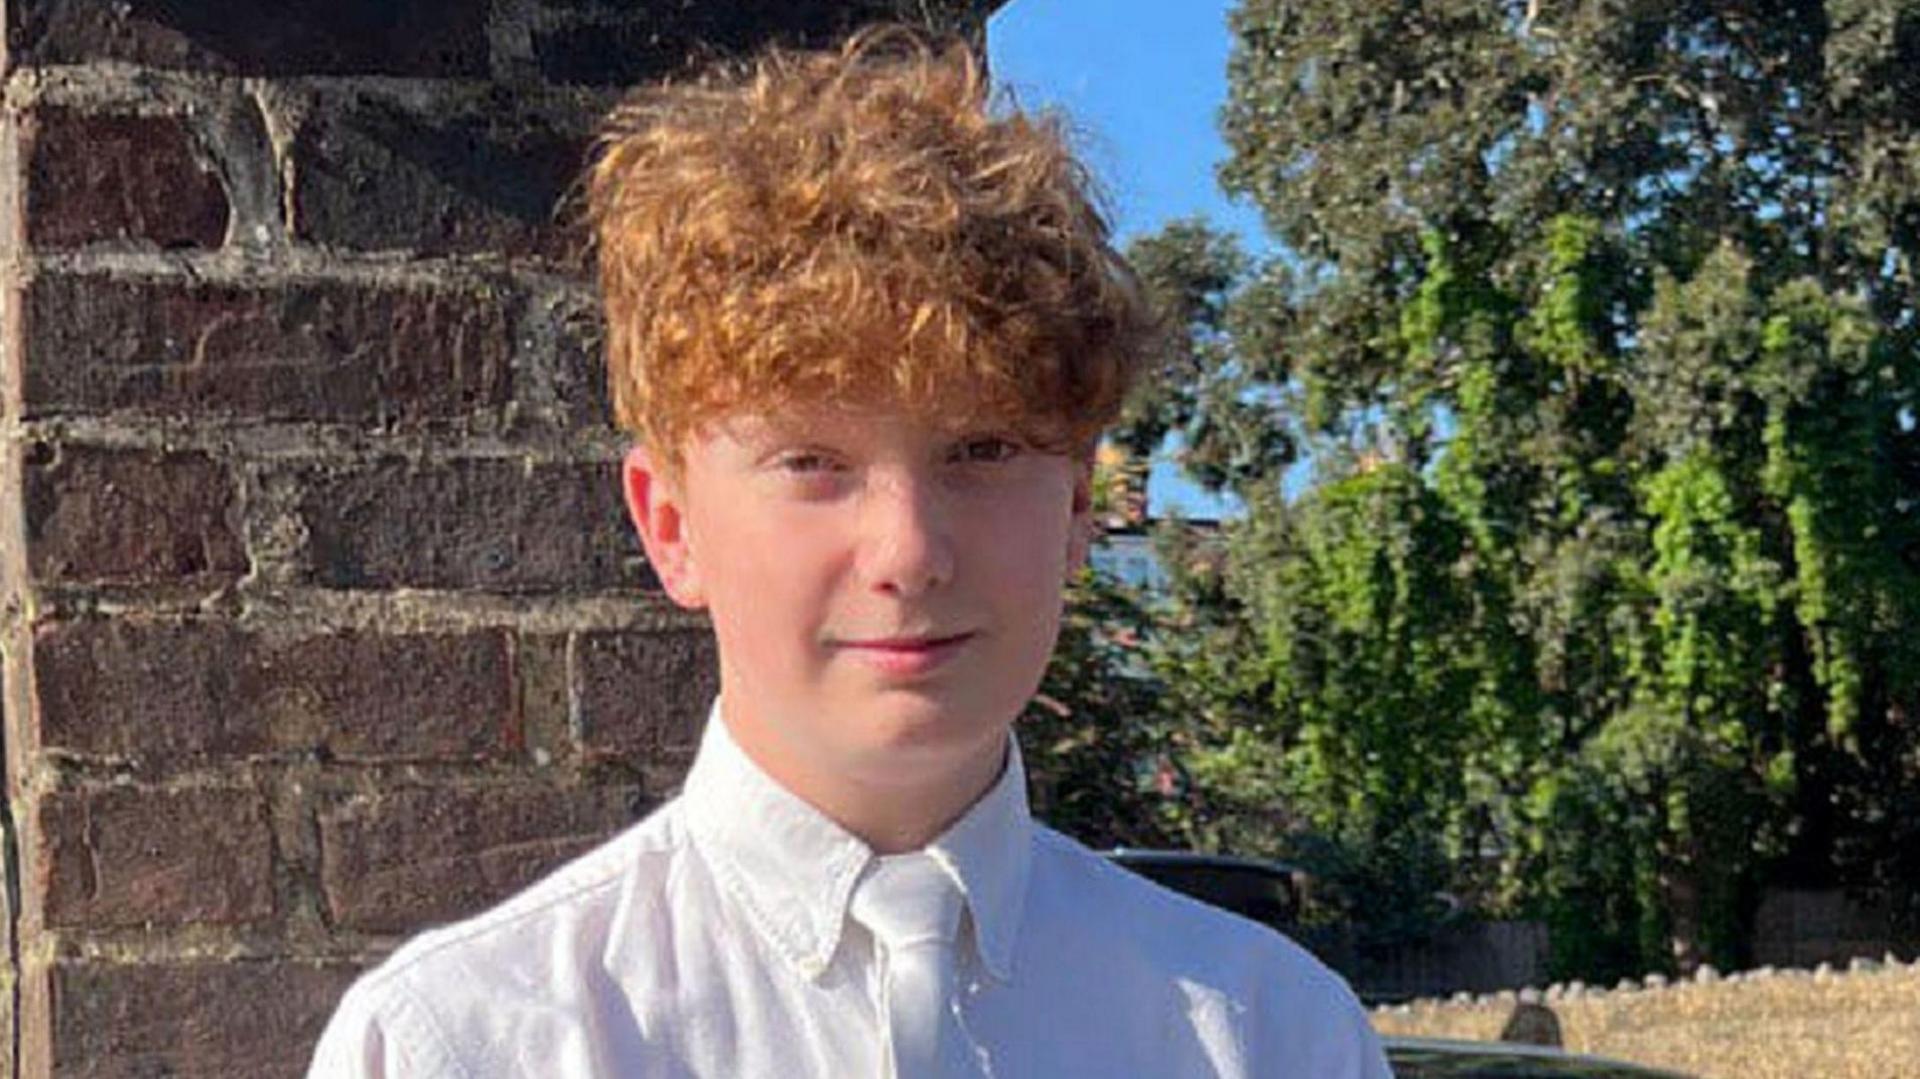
x=906 y=546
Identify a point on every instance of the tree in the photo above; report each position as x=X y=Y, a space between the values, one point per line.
x=1096 y=739
x=1598 y=323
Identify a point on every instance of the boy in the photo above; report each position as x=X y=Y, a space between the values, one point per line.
x=867 y=333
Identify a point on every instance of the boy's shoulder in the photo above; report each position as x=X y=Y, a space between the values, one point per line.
x=528 y=946
x=1274 y=990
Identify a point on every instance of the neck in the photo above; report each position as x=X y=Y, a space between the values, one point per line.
x=892 y=817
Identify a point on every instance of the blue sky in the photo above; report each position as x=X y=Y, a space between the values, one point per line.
x=1142 y=80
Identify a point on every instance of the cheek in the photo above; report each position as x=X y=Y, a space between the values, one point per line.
x=768 y=579
x=1025 y=553
x=1028 y=598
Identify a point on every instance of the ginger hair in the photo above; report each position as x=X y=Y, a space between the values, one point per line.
x=859 y=226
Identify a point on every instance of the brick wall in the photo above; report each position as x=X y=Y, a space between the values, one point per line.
x=321 y=620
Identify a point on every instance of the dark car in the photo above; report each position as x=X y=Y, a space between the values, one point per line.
x=1433 y=1058
x=1267 y=892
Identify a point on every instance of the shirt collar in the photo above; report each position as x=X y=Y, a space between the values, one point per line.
x=988 y=851
x=793 y=870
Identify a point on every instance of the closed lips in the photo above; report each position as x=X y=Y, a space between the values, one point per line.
x=906 y=644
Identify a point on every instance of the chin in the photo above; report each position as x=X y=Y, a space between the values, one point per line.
x=920 y=731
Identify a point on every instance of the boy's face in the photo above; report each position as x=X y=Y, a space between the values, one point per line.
x=886 y=589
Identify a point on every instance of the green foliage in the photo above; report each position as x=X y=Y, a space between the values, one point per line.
x=1098 y=752
x=1362 y=631
x=1597 y=323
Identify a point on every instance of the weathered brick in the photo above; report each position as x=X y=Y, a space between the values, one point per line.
x=92 y=177
x=315 y=350
x=133 y=857
x=486 y=523
x=399 y=860
x=100 y=515
x=423 y=38
x=166 y=692
x=94 y=1019
x=580 y=371
x=640 y=694
x=373 y=172
x=609 y=43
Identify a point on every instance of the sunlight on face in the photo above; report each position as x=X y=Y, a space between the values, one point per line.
x=886 y=590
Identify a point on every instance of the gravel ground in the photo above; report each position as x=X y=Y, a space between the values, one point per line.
x=1785 y=1025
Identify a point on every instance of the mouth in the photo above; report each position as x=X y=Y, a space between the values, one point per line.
x=906 y=656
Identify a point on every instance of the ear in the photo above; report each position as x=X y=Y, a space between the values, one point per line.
x=1081 y=528
x=658 y=512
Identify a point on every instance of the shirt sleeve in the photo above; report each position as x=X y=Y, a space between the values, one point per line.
x=1351 y=1048
x=368 y=1038
x=1372 y=1058
x=1313 y=1028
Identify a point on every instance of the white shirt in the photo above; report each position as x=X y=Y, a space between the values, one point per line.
x=712 y=939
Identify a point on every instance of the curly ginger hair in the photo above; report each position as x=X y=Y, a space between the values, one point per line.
x=858 y=225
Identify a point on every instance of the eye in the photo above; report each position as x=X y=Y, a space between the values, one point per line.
x=804 y=462
x=986 y=449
